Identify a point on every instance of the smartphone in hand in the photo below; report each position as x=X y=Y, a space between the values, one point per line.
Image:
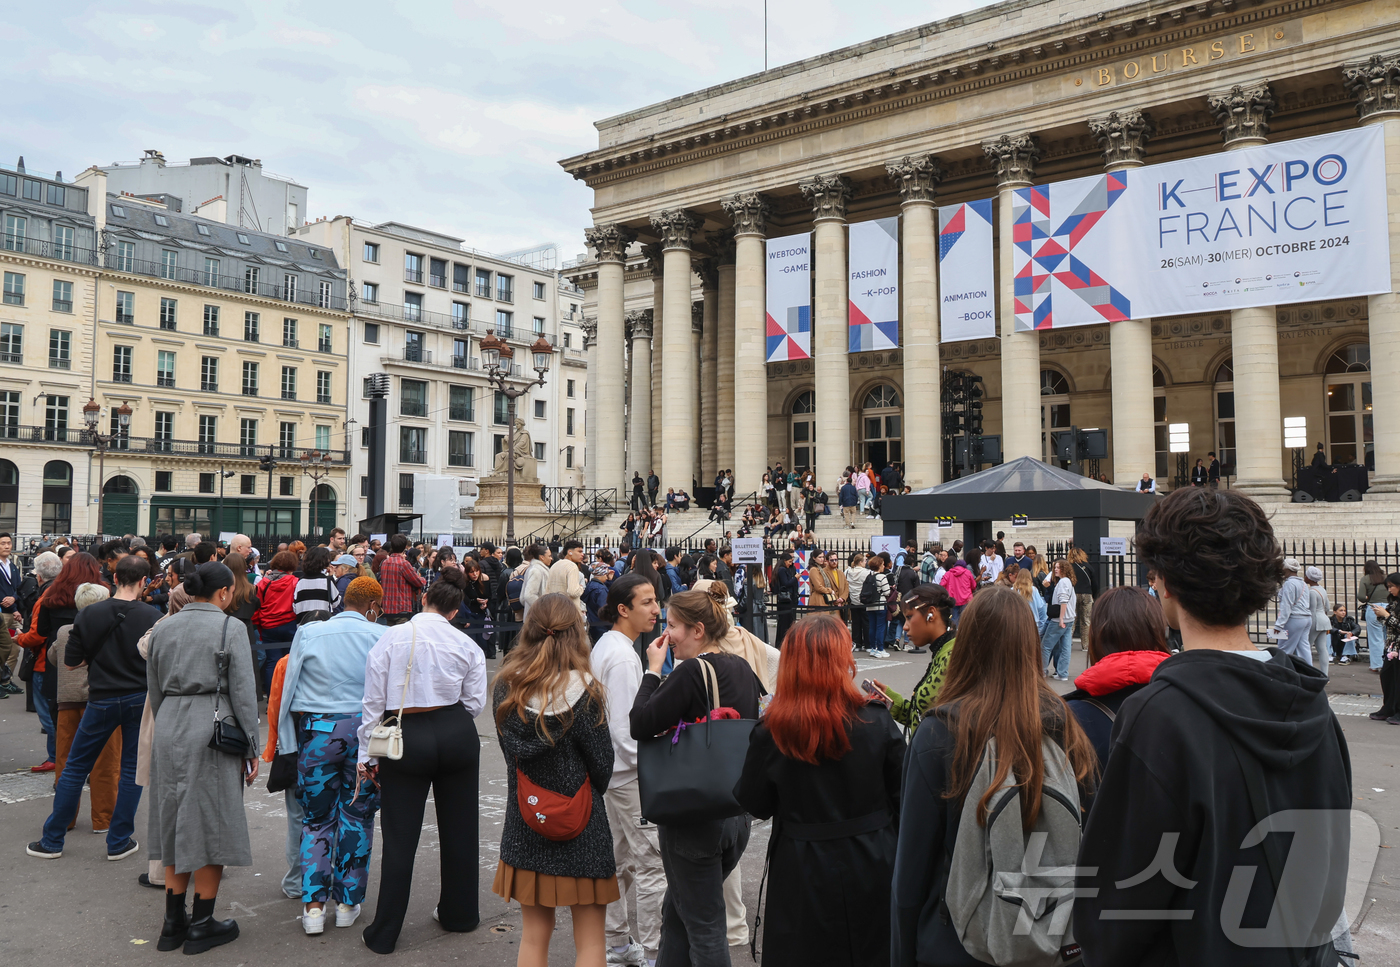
x=874 y=690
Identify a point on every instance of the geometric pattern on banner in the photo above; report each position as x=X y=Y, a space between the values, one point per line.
x=788 y=298
x=874 y=285
x=804 y=576
x=792 y=339
x=1049 y=229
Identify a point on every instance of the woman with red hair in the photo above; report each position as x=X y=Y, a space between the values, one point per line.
x=826 y=764
x=52 y=611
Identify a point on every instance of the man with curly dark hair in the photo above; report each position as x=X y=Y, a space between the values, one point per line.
x=1224 y=735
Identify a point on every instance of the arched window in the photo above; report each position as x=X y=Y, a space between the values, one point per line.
x=57 y=514
x=1225 y=417
x=1350 y=434
x=1054 y=412
x=882 y=436
x=9 y=496
x=1159 y=422
x=120 y=485
x=803 y=434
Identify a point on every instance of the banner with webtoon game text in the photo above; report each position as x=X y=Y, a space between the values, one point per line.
x=789 y=298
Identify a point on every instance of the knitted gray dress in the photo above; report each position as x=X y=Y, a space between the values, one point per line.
x=583 y=750
x=196 y=793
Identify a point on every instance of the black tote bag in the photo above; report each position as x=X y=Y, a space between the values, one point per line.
x=689 y=776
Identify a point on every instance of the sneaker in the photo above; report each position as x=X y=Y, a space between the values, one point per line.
x=123 y=851
x=37 y=849
x=42 y=767
x=97 y=831
x=632 y=955
x=346 y=915
x=11 y=688
x=313 y=921
x=880 y=653
x=1344 y=660
x=1379 y=716
x=1061 y=678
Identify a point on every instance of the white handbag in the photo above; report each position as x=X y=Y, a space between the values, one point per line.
x=385 y=740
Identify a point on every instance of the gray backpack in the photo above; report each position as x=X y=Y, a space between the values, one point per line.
x=1010 y=895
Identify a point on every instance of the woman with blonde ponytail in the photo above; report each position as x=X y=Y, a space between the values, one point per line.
x=698 y=856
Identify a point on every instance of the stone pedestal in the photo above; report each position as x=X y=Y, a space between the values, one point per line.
x=489 y=514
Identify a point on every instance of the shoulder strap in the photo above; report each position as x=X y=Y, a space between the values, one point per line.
x=408 y=672
x=711 y=679
x=1089 y=700
x=221 y=664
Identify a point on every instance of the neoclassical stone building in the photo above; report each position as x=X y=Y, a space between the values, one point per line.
x=1023 y=92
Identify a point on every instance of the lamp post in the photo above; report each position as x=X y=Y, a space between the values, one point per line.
x=315 y=465
x=1295 y=438
x=223 y=475
x=1179 y=442
x=92 y=411
x=497 y=355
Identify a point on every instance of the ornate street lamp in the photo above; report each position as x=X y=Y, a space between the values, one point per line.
x=92 y=414
x=497 y=356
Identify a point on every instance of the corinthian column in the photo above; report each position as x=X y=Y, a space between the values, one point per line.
x=748 y=210
x=918 y=178
x=610 y=242
x=639 y=424
x=831 y=325
x=658 y=300
x=697 y=347
x=678 y=392
x=1123 y=135
x=590 y=349
x=1243 y=114
x=709 y=379
x=724 y=353
x=1015 y=156
x=1376 y=86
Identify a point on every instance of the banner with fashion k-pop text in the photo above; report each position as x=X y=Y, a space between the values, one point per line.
x=874 y=285
x=967 y=298
x=1294 y=221
x=789 y=300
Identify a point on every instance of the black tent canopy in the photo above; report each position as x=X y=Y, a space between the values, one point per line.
x=1024 y=486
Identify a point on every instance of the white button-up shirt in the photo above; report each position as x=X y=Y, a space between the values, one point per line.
x=448 y=667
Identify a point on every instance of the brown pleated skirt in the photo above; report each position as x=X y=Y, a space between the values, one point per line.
x=531 y=889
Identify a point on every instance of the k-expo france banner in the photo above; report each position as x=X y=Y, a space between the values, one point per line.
x=1296 y=221
x=789 y=300
x=967 y=298
x=874 y=285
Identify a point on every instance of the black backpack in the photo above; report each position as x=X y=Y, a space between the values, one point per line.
x=870 y=591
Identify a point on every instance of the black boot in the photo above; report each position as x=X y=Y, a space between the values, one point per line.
x=205 y=932
x=177 y=924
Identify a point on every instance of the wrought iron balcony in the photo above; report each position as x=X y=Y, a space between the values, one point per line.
x=80 y=437
x=308 y=296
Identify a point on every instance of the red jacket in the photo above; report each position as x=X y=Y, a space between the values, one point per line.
x=960 y=583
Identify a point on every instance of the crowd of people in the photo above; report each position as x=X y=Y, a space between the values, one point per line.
x=894 y=817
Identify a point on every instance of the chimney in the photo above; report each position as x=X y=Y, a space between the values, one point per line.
x=20 y=166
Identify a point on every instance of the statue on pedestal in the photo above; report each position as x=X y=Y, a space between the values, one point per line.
x=526 y=469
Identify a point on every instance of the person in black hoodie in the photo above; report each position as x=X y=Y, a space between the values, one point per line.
x=1223 y=736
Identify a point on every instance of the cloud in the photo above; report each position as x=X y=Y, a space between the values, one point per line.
x=450 y=114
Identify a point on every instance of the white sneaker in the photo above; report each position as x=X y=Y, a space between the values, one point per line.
x=346 y=915
x=634 y=956
x=435 y=916
x=313 y=921
x=879 y=653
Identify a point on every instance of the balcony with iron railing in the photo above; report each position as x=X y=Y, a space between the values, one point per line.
x=80 y=437
x=48 y=249
x=308 y=296
x=413 y=275
x=409 y=455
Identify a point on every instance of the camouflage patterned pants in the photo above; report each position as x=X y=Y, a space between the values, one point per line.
x=337 y=835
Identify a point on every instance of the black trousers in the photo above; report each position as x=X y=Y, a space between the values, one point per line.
x=441 y=750
x=1390 y=687
x=785 y=620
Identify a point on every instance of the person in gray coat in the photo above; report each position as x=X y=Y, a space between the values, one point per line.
x=1292 y=628
x=196 y=792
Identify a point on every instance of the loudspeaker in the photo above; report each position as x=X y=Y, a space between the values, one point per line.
x=1351 y=496
x=1303 y=497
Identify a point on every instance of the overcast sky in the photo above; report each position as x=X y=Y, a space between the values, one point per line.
x=452 y=116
